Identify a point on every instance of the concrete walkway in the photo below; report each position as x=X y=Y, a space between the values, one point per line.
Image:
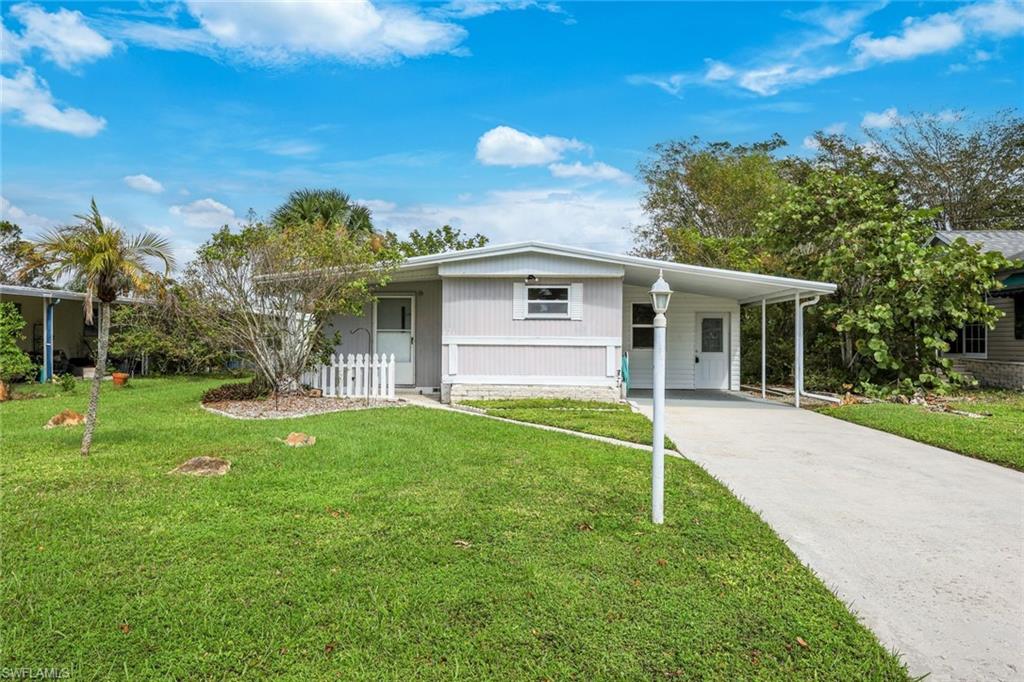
x=925 y=545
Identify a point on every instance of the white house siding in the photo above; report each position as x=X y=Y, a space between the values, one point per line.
x=680 y=338
x=1001 y=344
x=532 y=360
x=483 y=345
x=426 y=329
x=483 y=307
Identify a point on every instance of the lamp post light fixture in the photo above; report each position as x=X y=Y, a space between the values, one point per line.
x=660 y=295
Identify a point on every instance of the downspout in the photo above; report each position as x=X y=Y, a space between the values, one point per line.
x=799 y=374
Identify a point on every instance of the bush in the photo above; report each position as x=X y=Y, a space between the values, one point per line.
x=248 y=390
x=67 y=382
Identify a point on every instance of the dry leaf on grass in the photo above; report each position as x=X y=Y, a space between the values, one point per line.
x=464 y=544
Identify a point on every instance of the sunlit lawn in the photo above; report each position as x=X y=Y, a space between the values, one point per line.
x=998 y=438
x=407 y=543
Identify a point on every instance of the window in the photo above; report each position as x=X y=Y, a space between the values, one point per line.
x=971 y=340
x=642 y=326
x=1018 y=316
x=543 y=300
x=711 y=337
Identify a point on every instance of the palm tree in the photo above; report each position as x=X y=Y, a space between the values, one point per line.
x=107 y=262
x=322 y=207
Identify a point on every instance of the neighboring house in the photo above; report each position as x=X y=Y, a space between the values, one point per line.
x=535 y=319
x=994 y=356
x=56 y=336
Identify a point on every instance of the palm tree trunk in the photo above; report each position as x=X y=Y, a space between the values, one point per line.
x=101 y=369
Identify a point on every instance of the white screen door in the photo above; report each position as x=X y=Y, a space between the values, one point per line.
x=394 y=317
x=712 y=361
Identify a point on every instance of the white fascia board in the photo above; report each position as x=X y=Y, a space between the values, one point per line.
x=559 y=250
x=571 y=341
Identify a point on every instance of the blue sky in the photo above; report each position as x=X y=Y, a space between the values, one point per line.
x=520 y=120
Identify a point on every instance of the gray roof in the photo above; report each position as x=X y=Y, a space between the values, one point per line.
x=1010 y=243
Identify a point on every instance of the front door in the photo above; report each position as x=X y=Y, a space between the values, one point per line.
x=712 y=357
x=394 y=317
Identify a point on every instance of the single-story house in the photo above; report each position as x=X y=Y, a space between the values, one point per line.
x=537 y=319
x=55 y=334
x=995 y=357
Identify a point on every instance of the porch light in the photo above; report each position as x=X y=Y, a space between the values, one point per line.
x=660 y=295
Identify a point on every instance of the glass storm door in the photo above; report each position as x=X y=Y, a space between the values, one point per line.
x=394 y=317
x=712 y=357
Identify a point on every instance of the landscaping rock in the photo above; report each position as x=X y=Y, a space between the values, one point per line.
x=203 y=466
x=296 y=439
x=65 y=418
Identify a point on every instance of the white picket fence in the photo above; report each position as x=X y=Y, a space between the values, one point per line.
x=354 y=376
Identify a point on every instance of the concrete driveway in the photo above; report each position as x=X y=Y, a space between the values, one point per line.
x=925 y=545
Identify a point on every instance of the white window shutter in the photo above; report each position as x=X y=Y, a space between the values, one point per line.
x=518 y=301
x=576 y=301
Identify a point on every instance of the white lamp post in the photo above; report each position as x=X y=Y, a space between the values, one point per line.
x=660 y=295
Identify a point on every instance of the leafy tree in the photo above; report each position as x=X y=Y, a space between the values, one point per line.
x=167 y=334
x=899 y=301
x=269 y=290
x=439 y=240
x=324 y=207
x=14 y=362
x=972 y=173
x=109 y=262
x=14 y=266
x=698 y=191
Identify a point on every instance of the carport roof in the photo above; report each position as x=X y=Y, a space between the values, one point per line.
x=745 y=287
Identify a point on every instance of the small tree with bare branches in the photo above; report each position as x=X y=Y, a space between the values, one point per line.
x=268 y=291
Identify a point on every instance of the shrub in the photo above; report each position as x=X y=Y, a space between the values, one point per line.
x=67 y=382
x=246 y=390
x=14 y=362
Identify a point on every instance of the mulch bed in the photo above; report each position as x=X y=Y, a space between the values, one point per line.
x=287 y=407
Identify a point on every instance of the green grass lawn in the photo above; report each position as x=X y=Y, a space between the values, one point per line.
x=407 y=543
x=613 y=420
x=998 y=439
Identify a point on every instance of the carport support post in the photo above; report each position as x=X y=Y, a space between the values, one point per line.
x=798 y=353
x=46 y=372
x=658 y=441
x=764 y=341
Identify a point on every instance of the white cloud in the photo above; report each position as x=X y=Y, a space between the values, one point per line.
x=1000 y=19
x=672 y=83
x=289 y=147
x=589 y=219
x=287 y=32
x=943 y=31
x=10 y=46
x=143 y=183
x=62 y=36
x=377 y=205
x=773 y=79
x=505 y=146
x=204 y=213
x=468 y=9
x=29 y=98
x=936 y=33
x=588 y=171
x=26 y=220
x=881 y=119
x=811 y=56
x=718 y=71
x=834 y=129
